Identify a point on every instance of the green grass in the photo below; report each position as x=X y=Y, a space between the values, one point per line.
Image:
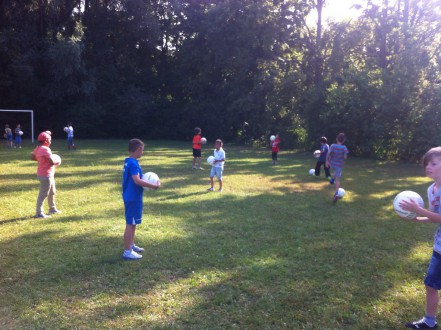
x=270 y=252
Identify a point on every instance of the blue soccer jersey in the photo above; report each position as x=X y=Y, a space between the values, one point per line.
x=131 y=192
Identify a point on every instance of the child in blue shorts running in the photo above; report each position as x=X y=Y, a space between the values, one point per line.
x=432 y=167
x=132 y=192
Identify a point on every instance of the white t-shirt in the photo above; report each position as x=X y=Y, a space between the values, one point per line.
x=218 y=155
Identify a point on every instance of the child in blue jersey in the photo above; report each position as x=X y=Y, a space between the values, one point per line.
x=336 y=156
x=132 y=192
x=432 y=167
x=18 y=133
x=324 y=148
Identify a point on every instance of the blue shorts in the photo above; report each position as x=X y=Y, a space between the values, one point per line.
x=216 y=171
x=133 y=211
x=337 y=171
x=70 y=140
x=433 y=276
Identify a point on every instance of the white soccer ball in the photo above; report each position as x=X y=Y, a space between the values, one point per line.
x=65 y=129
x=56 y=159
x=341 y=192
x=407 y=195
x=317 y=153
x=150 y=177
x=272 y=138
x=210 y=160
x=312 y=171
x=203 y=140
x=20 y=133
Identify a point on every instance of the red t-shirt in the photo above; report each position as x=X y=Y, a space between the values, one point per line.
x=275 y=145
x=196 y=140
x=45 y=167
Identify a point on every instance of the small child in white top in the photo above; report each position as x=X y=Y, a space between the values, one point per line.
x=218 y=165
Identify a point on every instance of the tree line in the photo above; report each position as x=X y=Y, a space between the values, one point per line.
x=241 y=70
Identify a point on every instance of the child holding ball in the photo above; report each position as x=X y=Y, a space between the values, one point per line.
x=275 y=149
x=46 y=174
x=132 y=191
x=197 y=148
x=432 y=167
x=324 y=148
x=218 y=165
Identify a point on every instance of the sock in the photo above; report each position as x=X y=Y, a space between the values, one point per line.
x=430 y=320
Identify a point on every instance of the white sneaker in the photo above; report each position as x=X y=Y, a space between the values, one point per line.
x=137 y=249
x=54 y=211
x=210 y=189
x=131 y=256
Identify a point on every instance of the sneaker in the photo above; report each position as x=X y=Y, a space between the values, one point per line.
x=210 y=189
x=131 y=256
x=194 y=167
x=420 y=325
x=42 y=216
x=55 y=211
x=201 y=168
x=331 y=181
x=220 y=190
x=137 y=248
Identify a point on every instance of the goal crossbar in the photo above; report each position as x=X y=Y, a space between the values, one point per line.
x=32 y=119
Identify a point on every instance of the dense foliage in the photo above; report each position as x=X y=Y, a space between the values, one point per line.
x=238 y=69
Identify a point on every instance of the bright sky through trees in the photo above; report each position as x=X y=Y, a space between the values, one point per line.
x=337 y=10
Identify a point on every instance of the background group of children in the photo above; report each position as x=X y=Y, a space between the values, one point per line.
x=217 y=167
x=13 y=141
x=16 y=140
x=330 y=157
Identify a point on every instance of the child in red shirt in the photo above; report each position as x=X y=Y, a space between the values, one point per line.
x=197 y=148
x=275 y=149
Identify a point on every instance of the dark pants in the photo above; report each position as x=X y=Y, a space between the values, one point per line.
x=317 y=168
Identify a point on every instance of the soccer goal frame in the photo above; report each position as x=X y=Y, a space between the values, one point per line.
x=32 y=119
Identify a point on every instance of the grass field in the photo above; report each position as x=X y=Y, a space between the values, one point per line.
x=269 y=252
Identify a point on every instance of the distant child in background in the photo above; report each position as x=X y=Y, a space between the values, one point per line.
x=197 y=148
x=8 y=136
x=432 y=166
x=324 y=148
x=275 y=149
x=70 y=135
x=18 y=134
x=46 y=174
x=218 y=165
x=132 y=192
x=336 y=156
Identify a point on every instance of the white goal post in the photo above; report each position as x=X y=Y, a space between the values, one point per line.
x=32 y=119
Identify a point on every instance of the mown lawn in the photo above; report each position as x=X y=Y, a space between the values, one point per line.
x=269 y=252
